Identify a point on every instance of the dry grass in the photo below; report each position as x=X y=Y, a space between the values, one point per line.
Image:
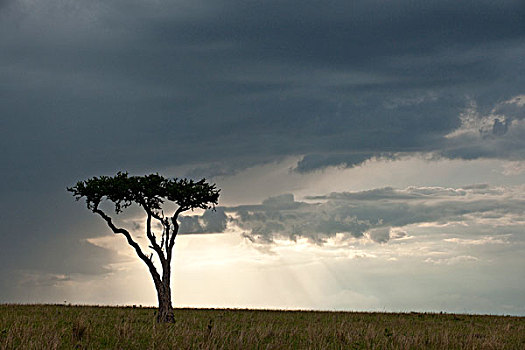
x=91 y=327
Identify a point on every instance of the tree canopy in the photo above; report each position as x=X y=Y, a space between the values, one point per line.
x=149 y=191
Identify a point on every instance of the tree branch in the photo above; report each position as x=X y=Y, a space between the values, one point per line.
x=166 y=225
x=169 y=246
x=153 y=240
x=131 y=242
x=161 y=220
x=164 y=259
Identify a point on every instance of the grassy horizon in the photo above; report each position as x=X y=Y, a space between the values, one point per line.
x=111 y=327
x=154 y=307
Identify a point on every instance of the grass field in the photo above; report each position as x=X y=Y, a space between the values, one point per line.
x=92 y=327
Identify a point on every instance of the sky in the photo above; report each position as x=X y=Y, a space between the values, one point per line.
x=370 y=153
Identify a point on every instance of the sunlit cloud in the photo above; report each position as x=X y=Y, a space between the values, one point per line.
x=379 y=214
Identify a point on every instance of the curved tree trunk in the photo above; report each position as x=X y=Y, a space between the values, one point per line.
x=165 y=312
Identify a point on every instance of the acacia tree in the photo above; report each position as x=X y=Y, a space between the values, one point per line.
x=149 y=192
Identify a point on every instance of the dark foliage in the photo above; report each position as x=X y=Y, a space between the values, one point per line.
x=148 y=191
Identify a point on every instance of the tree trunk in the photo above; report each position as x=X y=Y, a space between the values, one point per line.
x=165 y=313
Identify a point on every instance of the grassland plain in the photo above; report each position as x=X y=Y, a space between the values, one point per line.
x=94 y=327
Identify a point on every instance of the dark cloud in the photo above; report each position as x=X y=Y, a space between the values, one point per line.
x=498 y=133
x=212 y=221
x=373 y=212
x=380 y=235
x=318 y=161
x=4 y=3
x=142 y=85
x=45 y=236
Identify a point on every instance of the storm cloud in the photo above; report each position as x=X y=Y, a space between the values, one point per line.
x=375 y=213
x=91 y=87
x=212 y=221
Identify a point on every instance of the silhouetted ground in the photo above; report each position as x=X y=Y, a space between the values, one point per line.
x=93 y=327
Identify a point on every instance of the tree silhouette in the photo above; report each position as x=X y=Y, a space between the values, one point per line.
x=149 y=192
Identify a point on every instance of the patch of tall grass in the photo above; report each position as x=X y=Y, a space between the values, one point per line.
x=92 y=327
